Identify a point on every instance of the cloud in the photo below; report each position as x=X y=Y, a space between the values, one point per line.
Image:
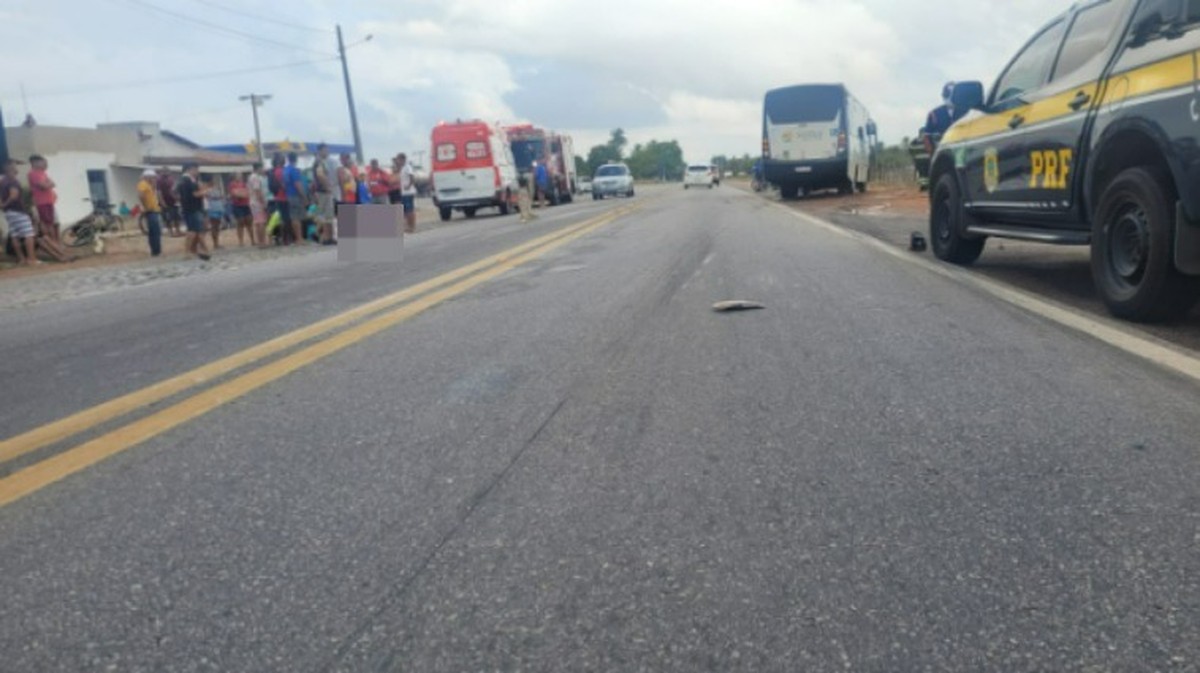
x=659 y=68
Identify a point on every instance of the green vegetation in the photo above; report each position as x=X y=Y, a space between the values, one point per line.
x=657 y=160
x=609 y=152
x=653 y=160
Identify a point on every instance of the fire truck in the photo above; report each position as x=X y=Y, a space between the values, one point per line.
x=533 y=144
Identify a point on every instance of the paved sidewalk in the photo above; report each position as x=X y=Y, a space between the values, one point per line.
x=127 y=264
x=90 y=280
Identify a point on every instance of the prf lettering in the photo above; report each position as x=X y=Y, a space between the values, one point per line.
x=1050 y=167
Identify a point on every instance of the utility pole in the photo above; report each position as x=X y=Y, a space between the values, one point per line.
x=255 y=101
x=358 y=149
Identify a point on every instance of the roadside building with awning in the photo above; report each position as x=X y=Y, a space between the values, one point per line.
x=301 y=148
x=105 y=163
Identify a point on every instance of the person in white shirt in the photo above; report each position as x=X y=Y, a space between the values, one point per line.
x=408 y=193
x=325 y=181
x=259 y=198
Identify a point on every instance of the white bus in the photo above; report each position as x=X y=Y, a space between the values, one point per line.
x=816 y=136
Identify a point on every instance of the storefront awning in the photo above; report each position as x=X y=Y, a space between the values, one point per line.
x=284 y=146
x=178 y=168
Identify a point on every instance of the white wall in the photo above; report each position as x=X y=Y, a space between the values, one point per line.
x=69 y=172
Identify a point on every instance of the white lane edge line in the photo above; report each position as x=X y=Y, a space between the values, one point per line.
x=1146 y=347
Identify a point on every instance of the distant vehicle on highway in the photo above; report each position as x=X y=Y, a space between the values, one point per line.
x=697 y=175
x=1088 y=137
x=585 y=185
x=816 y=136
x=716 y=171
x=473 y=168
x=612 y=180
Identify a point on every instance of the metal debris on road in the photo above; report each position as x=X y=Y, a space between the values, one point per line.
x=737 y=305
x=916 y=242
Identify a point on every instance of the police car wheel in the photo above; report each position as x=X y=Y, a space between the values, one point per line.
x=1132 y=252
x=444 y=214
x=946 y=224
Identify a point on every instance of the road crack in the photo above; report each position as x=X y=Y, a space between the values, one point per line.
x=399 y=591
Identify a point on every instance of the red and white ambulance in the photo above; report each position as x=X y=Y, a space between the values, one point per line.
x=472 y=168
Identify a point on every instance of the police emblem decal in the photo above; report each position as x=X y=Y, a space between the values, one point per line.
x=991 y=169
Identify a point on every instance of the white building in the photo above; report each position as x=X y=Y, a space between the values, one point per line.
x=105 y=163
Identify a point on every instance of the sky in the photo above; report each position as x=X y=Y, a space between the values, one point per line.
x=689 y=70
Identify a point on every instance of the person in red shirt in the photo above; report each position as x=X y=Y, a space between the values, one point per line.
x=44 y=196
x=378 y=182
x=279 y=202
x=239 y=196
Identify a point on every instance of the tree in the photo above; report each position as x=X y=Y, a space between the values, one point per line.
x=600 y=155
x=732 y=166
x=617 y=142
x=608 y=153
x=661 y=160
x=581 y=166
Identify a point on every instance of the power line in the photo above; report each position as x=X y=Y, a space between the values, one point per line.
x=132 y=84
x=222 y=29
x=260 y=17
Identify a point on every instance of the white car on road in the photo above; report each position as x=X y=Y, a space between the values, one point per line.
x=612 y=180
x=698 y=176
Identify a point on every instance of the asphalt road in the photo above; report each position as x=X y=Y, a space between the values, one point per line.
x=578 y=466
x=1060 y=273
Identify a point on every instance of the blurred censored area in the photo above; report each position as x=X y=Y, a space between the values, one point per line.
x=370 y=233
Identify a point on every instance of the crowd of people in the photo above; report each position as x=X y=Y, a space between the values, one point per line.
x=29 y=215
x=276 y=205
x=272 y=206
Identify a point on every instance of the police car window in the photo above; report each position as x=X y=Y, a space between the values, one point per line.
x=1089 y=35
x=1031 y=68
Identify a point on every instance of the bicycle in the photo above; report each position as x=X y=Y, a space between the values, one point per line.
x=85 y=231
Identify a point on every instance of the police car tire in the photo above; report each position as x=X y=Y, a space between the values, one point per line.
x=1162 y=293
x=950 y=245
x=445 y=213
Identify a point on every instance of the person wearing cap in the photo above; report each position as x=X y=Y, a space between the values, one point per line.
x=942 y=117
x=147 y=189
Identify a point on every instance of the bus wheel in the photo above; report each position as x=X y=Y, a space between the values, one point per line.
x=789 y=191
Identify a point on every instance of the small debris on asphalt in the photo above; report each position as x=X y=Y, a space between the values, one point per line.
x=737 y=305
x=916 y=242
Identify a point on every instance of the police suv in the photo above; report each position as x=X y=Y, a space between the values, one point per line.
x=1090 y=136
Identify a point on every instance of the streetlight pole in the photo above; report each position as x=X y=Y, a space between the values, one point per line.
x=255 y=101
x=358 y=148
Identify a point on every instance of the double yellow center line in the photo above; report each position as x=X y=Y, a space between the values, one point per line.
x=376 y=316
